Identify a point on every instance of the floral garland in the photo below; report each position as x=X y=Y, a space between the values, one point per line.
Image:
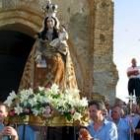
x=44 y=102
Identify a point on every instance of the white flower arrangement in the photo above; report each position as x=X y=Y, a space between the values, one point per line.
x=67 y=103
x=27 y=102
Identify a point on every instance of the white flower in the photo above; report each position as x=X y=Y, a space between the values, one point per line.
x=77 y=116
x=81 y=102
x=13 y=95
x=54 y=89
x=41 y=88
x=32 y=101
x=84 y=102
x=41 y=98
x=10 y=98
x=18 y=109
x=25 y=94
x=35 y=111
x=28 y=92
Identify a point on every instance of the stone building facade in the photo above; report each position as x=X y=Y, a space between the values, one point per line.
x=90 y=27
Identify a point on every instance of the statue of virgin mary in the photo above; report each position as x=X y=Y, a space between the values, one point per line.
x=49 y=61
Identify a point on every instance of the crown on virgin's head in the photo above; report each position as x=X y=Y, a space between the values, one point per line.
x=51 y=9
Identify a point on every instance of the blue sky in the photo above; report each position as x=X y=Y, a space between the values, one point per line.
x=126 y=40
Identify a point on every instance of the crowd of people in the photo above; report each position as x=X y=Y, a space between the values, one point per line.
x=111 y=123
x=119 y=122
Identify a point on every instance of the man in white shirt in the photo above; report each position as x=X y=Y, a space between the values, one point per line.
x=133 y=74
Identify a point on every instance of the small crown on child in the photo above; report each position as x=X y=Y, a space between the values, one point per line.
x=51 y=9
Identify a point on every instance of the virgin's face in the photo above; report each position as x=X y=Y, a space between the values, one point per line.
x=50 y=23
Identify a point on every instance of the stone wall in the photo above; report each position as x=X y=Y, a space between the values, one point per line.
x=90 y=27
x=104 y=71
